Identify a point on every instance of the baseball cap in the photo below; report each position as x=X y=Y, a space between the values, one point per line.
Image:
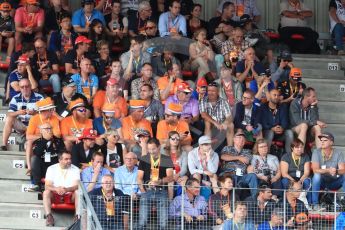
x=214 y=84
x=68 y=81
x=137 y=104
x=82 y=39
x=175 y=108
x=296 y=73
x=108 y=108
x=285 y=55
x=75 y=104
x=184 y=87
x=301 y=218
x=327 y=135
x=45 y=104
x=112 y=81
x=201 y=82
x=204 y=140
x=88 y=133
x=23 y=59
x=5 y=6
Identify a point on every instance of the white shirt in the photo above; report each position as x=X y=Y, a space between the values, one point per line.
x=63 y=177
x=340 y=14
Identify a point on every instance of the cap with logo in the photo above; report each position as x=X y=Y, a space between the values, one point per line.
x=184 y=87
x=5 y=6
x=68 y=81
x=88 y=133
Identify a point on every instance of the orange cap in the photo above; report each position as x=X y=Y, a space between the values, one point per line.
x=32 y=2
x=201 y=82
x=295 y=73
x=184 y=87
x=175 y=108
x=45 y=104
x=5 y=6
x=137 y=104
x=75 y=104
x=108 y=108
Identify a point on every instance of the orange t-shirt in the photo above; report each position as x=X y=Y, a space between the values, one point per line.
x=163 y=129
x=120 y=105
x=163 y=82
x=37 y=120
x=71 y=127
x=129 y=128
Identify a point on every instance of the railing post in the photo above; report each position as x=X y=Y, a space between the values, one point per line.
x=284 y=205
x=131 y=214
x=335 y=210
x=182 y=208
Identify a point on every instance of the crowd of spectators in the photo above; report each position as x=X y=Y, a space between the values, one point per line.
x=96 y=104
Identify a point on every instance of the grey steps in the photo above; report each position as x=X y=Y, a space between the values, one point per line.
x=8 y=172
x=27 y=224
x=329 y=111
x=20 y=210
x=322 y=74
x=316 y=62
x=14 y=186
x=19 y=197
x=327 y=90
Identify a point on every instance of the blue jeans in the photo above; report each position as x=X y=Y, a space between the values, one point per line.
x=319 y=182
x=249 y=180
x=54 y=81
x=338 y=33
x=287 y=137
x=160 y=199
x=305 y=186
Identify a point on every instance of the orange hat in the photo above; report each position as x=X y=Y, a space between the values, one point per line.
x=175 y=108
x=296 y=73
x=82 y=39
x=201 y=82
x=137 y=104
x=184 y=87
x=75 y=104
x=45 y=104
x=112 y=81
x=32 y=2
x=88 y=133
x=108 y=108
x=23 y=59
x=5 y=6
x=233 y=54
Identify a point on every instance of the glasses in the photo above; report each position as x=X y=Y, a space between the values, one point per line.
x=170 y=115
x=174 y=138
x=151 y=27
x=24 y=86
x=81 y=110
x=130 y=158
x=39 y=47
x=108 y=117
x=186 y=93
x=323 y=140
x=47 y=128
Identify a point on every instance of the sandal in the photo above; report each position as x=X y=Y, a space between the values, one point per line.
x=28 y=172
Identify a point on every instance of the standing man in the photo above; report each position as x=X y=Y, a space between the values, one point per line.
x=155 y=173
x=328 y=165
x=62 y=180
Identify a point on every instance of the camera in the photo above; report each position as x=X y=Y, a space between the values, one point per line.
x=267 y=172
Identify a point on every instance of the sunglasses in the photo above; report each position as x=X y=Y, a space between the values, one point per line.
x=47 y=128
x=170 y=115
x=39 y=47
x=108 y=117
x=186 y=93
x=151 y=27
x=81 y=110
x=174 y=138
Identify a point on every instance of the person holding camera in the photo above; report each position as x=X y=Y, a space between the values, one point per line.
x=275 y=121
x=168 y=83
x=282 y=67
x=21 y=108
x=266 y=166
x=292 y=88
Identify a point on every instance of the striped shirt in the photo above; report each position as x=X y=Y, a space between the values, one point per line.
x=18 y=101
x=219 y=112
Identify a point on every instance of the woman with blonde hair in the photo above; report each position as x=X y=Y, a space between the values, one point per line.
x=114 y=150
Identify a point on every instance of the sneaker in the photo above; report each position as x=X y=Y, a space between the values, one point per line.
x=35 y=188
x=341 y=52
x=3 y=148
x=49 y=220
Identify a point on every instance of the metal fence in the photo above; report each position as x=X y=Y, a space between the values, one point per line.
x=199 y=208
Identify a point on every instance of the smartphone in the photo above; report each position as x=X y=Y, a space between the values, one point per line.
x=23 y=107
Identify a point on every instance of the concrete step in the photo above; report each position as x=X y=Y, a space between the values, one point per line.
x=14 y=185
x=12 y=153
x=24 y=223
x=316 y=61
x=21 y=210
x=322 y=74
x=338 y=131
x=19 y=197
x=12 y=167
x=327 y=90
x=330 y=111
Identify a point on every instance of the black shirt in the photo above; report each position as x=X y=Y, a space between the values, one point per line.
x=42 y=146
x=135 y=23
x=79 y=155
x=6 y=24
x=71 y=58
x=36 y=61
x=61 y=102
x=257 y=215
x=52 y=19
x=214 y=22
x=145 y=165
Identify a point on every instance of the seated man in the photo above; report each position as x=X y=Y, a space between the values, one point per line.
x=29 y=22
x=304 y=116
x=276 y=221
x=133 y=123
x=293 y=87
x=92 y=175
x=236 y=160
x=294 y=20
x=125 y=176
x=243 y=7
x=137 y=22
x=195 y=206
x=172 y=23
x=216 y=113
x=239 y=221
x=83 y=17
x=172 y=123
x=83 y=151
x=73 y=125
x=155 y=172
x=61 y=181
x=21 y=109
x=110 y=204
x=235 y=43
x=7 y=29
x=203 y=162
x=45 y=154
x=45 y=66
x=275 y=121
x=168 y=83
x=328 y=165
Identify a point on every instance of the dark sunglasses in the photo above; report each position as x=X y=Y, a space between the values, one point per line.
x=81 y=110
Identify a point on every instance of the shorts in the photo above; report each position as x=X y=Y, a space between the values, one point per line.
x=19 y=126
x=62 y=199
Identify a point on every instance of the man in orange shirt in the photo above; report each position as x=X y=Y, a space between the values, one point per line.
x=45 y=114
x=135 y=122
x=72 y=126
x=110 y=95
x=167 y=84
x=173 y=122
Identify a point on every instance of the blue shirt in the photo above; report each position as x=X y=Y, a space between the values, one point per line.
x=87 y=174
x=79 y=18
x=166 y=23
x=18 y=101
x=14 y=76
x=193 y=208
x=266 y=226
x=125 y=180
x=98 y=125
x=87 y=85
x=229 y=225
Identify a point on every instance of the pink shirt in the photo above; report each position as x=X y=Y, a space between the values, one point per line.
x=26 y=19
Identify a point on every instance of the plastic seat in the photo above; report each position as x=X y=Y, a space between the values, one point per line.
x=63 y=202
x=4 y=66
x=272 y=35
x=187 y=74
x=297 y=37
x=279 y=144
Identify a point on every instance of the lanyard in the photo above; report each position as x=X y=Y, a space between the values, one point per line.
x=295 y=160
x=241 y=227
x=221 y=199
x=136 y=63
x=170 y=20
x=155 y=163
x=172 y=128
x=63 y=173
x=324 y=158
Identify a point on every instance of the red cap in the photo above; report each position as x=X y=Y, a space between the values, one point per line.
x=201 y=82
x=23 y=59
x=112 y=81
x=82 y=39
x=88 y=133
x=184 y=86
